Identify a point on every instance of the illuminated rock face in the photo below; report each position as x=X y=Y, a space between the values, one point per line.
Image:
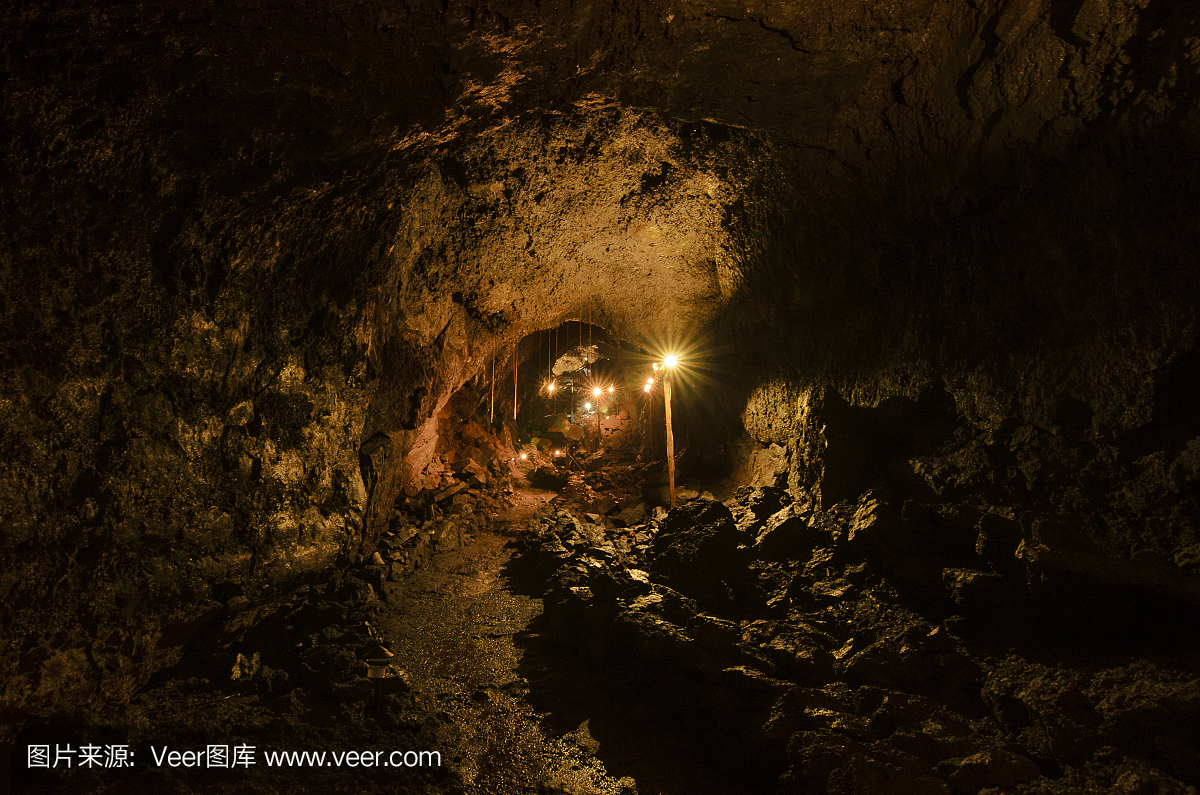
x=238 y=244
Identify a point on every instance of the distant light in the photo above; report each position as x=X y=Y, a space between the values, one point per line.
x=671 y=361
x=550 y=387
x=646 y=388
x=524 y=456
x=610 y=389
x=655 y=366
x=649 y=382
x=596 y=392
x=587 y=406
x=558 y=452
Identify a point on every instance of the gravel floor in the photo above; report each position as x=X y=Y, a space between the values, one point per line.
x=523 y=716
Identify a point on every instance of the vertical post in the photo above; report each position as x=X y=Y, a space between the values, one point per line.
x=670 y=437
x=650 y=425
x=514 y=385
x=492 y=401
x=597 y=425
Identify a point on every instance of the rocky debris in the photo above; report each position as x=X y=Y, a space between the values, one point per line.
x=978 y=591
x=548 y=477
x=751 y=506
x=833 y=674
x=455 y=497
x=579 y=492
x=182 y=333
x=697 y=551
x=450 y=491
x=631 y=513
x=786 y=533
x=1072 y=714
x=987 y=770
x=286 y=674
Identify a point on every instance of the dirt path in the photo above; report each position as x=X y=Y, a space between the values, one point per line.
x=457 y=629
x=518 y=716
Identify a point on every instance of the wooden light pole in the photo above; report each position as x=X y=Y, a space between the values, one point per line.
x=670 y=439
x=649 y=416
x=668 y=365
x=596 y=393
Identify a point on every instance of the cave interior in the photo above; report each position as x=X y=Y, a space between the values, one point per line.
x=344 y=326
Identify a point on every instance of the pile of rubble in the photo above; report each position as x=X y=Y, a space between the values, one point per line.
x=604 y=482
x=445 y=513
x=288 y=674
x=828 y=648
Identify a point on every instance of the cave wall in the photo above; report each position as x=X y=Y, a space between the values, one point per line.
x=1012 y=338
x=249 y=256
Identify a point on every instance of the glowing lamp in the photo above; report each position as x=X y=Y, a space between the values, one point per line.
x=646 y=388
x=670 y=361
x=596 y=392
x=587 y=406
x=550 y=387
x=524 y=456
x=610 y=390
x=378 y=662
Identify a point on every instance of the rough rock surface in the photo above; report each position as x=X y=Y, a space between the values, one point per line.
x=250 y=261
x=839 y=676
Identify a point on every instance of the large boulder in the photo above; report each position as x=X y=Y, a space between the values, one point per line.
x=697 y=552
x=786 y=534
x=751 y=506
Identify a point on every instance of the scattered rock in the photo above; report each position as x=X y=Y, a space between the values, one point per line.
x=714 y=633
x=786 y=534
x=976 y=772
x=696 y=553
x=450 y=491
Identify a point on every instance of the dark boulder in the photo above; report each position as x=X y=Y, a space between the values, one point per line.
x=697 y=553
x=786 y=534
x=549 y=478
x=751 y=506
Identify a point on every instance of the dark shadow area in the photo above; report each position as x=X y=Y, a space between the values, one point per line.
x=1075 y=620
x=646 y=727
x=666 y=751
x=863 y=442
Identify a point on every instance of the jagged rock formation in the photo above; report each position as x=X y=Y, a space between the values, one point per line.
x=248 y=257
x=815 y=662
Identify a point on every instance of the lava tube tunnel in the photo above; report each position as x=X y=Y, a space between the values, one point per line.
x=631 y=398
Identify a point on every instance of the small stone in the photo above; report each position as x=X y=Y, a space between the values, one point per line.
x=987 y=769
x=714 y=633
x=975 y=589
x=241 y=414
x=450 y=492
x=786 y=533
